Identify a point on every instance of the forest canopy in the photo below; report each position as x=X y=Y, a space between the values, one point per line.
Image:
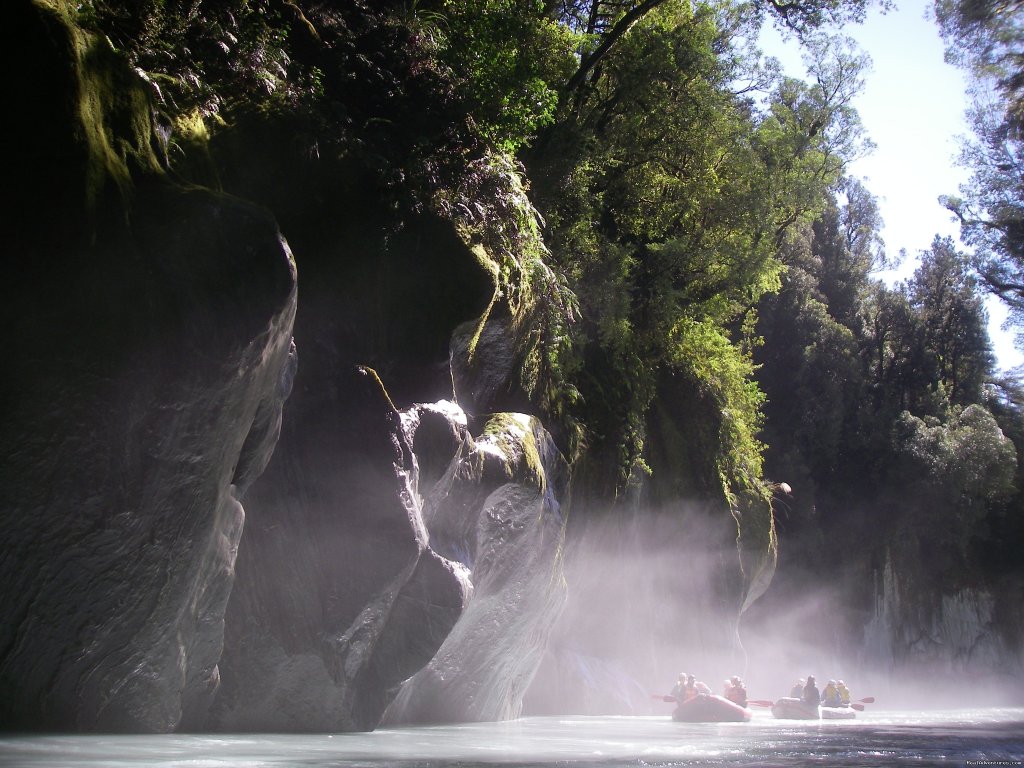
x=675 y=221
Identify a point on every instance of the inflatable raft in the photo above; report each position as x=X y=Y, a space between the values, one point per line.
x=789 y=708
x=709 y=708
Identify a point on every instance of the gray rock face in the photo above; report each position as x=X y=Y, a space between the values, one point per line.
x=485 y=365
x=149 y=356
x=952 y=636
x=496 y=510
x=125 y=461
x=339 y=597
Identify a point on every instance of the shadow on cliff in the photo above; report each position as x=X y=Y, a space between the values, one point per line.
x=341 y=596
x=148 y=358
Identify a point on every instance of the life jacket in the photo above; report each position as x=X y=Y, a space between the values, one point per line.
x=811 y=697
x=738 y=695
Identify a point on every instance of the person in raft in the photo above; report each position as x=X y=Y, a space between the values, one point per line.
x=679 y=689
x=811 y=695
x=797 y=691
x=830 y=696
x=735 y=691
x=844 y=694
x=697 y=686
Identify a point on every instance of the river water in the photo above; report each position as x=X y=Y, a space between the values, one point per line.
x=981 y=737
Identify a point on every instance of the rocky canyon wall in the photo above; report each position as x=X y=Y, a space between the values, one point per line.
x=401 y=556
x=150 y=329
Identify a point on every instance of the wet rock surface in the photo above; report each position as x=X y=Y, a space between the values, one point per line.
x=497 y=511
x=338 y=596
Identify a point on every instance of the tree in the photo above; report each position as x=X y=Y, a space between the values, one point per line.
x=952 y=474
x=987 y=38
x=668 y=197
x=946 y=296
x=605 y=22
x=849 y=247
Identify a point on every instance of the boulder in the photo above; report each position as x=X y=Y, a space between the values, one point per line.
x=486 y=364
x=339 y=597
x=496 y=510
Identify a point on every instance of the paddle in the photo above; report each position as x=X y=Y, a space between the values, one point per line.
x=859 y=704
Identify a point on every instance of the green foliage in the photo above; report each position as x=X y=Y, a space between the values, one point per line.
x=967 y=458
x=703 y=352
x=810 y=367
x=200 y=55
x=877 y=404
x=987 y=38
x=849 y=248
x=812 y=131
x=494 y=216
x=954 y=472
x=668 y=197
x=113 y=126
x=803 y=17
x=955 y=321
x=505 y=61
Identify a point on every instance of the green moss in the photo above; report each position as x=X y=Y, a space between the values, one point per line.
x=189 y=148
x=111 y=108
x=494 y=216
x=513 y=437
x=367 y=371
x=492 y=268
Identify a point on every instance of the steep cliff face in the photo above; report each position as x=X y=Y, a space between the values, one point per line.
x=496 y=511
x=150 y=355
x=338 y=597
x=352 y=586
x=970 y=634
x=402 y=558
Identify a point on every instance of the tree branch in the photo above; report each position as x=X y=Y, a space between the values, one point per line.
x=616 y=32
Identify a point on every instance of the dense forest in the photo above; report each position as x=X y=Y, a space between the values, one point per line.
x=644 y=235
x=672 y=221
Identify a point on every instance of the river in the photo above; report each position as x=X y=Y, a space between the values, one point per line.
x=980 y=737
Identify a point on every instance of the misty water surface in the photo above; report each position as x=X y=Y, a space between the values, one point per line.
x=940 y=738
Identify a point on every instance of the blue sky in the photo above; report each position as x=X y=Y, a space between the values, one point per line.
x=913 y=109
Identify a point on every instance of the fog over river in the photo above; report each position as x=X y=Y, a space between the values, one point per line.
x=879 y=738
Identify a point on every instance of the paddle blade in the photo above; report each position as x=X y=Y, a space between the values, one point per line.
x=858 y=707
x=867 y=700
x=663 y=697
